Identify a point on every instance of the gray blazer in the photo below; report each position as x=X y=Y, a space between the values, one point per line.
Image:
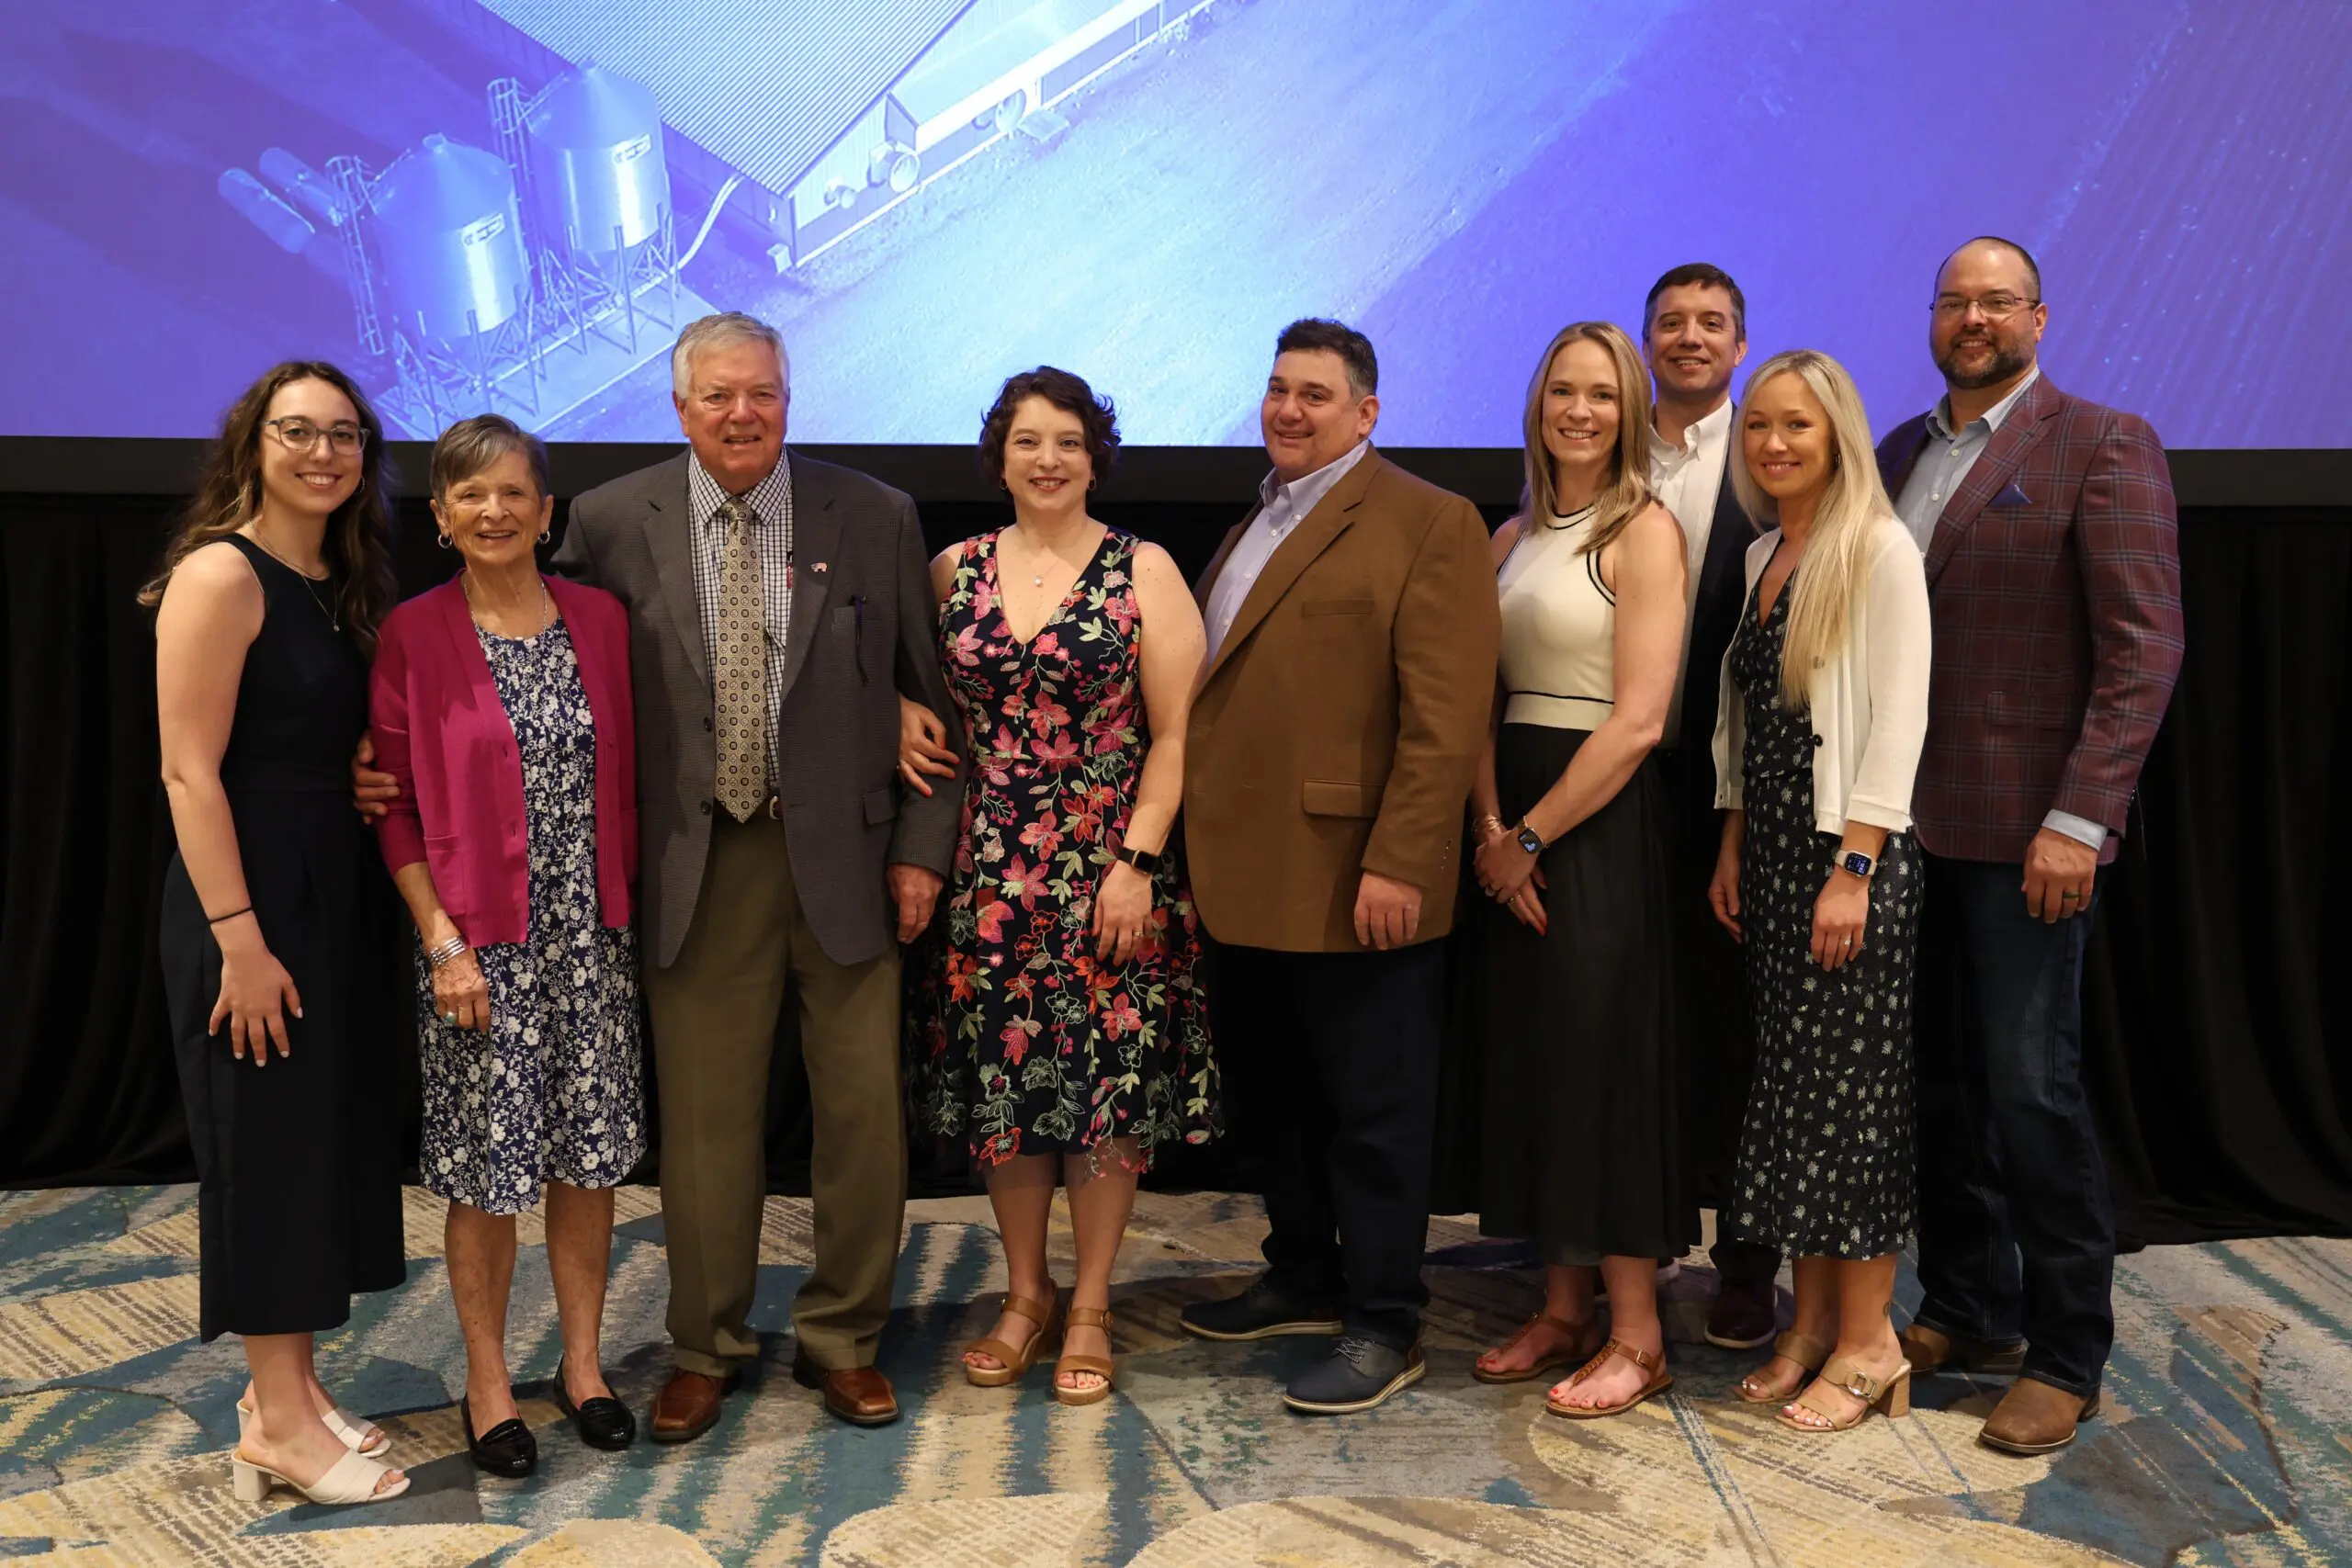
x=864 y=629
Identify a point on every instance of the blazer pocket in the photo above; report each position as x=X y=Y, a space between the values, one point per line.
x=881 y=805
x=1332 y=797
x=1357 y=606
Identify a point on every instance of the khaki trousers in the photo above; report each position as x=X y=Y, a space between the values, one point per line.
x=715 y=1013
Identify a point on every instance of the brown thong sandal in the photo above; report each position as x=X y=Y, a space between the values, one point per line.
x=1890 y=1395
x=1012 y=1365
x=1812 y=1354
x=1084 y=1317
x=1578 y=1333
x=1660 y=1380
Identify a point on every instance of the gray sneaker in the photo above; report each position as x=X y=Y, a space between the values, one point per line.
x=1361 y=1375
x=1262 y=1312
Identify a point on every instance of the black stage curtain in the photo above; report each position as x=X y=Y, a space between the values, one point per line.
x=2216 y=1048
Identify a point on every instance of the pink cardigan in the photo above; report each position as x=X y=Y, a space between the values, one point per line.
x=441 y=730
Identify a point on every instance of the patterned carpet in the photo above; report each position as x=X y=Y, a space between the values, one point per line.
x=2228 y=1438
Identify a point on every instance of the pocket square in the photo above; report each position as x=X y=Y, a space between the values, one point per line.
x=2011 y=496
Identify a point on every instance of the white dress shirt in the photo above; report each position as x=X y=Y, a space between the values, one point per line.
x=1945 y=458
x=1281 y=508
x=1688 y=481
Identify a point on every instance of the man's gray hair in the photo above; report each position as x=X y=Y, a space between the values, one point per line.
x=718 y=332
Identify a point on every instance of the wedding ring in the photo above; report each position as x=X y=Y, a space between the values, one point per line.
x=2070 y=893
x=449 y=1018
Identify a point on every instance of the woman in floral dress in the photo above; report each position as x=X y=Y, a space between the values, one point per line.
x=1061 y=1031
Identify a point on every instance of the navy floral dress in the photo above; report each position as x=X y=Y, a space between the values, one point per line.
x=1825 y=1164
x=555 y=1091
x=1023 y=1042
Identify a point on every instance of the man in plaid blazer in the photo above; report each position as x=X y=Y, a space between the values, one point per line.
x=2054 y=575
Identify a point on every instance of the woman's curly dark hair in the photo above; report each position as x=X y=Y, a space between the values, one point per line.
x=1070 y=393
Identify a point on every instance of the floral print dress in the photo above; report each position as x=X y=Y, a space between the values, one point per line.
x=1825 y=1164
x=555 y=1091
x=1023 y=1041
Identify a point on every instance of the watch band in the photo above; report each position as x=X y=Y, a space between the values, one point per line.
x=1143 y=861
x=1528 y=838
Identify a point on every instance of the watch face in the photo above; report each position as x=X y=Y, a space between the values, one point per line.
x=1859 y=862
x=1530 y=843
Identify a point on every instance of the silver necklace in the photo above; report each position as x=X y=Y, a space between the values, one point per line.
x=546 y=605
x=310 y=584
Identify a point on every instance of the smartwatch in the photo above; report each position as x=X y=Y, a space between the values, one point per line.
x=1857 y=862
x=1528 y=839
x=1142 y=860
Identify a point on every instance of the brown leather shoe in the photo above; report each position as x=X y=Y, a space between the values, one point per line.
x=859 y=1396
x=687 y=1405
x=1744 y=1316
x=1931 y=1350
x=2035 y=1418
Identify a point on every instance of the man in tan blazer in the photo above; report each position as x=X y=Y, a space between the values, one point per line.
x=1353 y=635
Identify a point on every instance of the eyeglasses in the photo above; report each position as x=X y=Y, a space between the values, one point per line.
x=300 y=435
x=1993 y=307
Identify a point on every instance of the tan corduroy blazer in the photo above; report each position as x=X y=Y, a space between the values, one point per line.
x=1337 y=727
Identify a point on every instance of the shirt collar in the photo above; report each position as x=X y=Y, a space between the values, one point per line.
x=767 y=498
x=1304 y=491
x=1698 y=435
x=1939 y=420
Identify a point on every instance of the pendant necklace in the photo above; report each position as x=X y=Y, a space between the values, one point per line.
x=310 y=584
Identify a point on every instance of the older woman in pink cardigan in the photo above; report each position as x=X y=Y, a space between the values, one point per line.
x=501 y=703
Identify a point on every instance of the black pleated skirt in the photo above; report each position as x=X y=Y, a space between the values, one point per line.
x=1583 y=1150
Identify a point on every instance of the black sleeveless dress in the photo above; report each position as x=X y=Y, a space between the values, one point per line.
x=299 y=1161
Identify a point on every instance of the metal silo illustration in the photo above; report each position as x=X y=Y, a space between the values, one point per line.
x=594 y=143
x=451 y=239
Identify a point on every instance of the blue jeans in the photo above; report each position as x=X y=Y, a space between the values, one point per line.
x=2017 y=1236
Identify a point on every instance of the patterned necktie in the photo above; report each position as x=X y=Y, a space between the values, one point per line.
x=740 y=681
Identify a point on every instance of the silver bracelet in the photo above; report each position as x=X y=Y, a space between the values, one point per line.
x=446 y=952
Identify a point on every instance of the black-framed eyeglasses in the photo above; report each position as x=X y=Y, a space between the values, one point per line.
x=1996 y=307
x=298 y=435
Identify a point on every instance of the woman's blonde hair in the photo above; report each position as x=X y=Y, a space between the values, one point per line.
x=1627 y=489
x=1837 y=551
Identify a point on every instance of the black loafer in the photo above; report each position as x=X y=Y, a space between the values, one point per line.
x=603 y=1423
x=507 y=1448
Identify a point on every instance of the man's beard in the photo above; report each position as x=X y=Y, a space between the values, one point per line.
x=2005 y=362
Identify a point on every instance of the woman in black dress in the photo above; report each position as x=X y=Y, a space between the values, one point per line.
x=1824 y=709
x=267 y=603
x=1573 y=957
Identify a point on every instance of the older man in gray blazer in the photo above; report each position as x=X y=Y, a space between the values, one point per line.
x=777 y=609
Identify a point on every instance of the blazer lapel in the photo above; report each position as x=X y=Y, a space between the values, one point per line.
x=1215 y=569
x=1309 y=538
x=816 y=540
x=1995 y=467
x=669 y=540
x=1727 y=540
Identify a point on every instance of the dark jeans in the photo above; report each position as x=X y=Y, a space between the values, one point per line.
x=1350 y=1044
x=1719 y=1049
x=2016 y=1234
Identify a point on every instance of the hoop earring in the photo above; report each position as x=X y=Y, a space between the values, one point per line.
x=546 y=533
x=444 y=541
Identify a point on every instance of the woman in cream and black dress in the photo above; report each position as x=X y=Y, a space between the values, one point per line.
x=1817 y=737
x=1572 y=957
x=268 y=605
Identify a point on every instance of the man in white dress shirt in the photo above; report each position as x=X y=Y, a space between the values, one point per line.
x=1694 y=334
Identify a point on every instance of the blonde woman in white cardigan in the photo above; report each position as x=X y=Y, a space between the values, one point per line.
x=1824 y=707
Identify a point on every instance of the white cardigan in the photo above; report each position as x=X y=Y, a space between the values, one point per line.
x=1870 y=706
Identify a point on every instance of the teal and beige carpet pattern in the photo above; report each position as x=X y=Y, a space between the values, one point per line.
x=2228 y=1437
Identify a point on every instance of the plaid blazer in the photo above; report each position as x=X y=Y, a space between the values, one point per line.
x=864 y=629
x=2053 y=576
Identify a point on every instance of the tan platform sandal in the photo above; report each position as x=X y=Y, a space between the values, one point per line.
x=1012 y=1365
x=1084 y=1317
x=1890 y=1396
x=1661 y=1380
x=1810 y=1354
x=1580 y=1335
